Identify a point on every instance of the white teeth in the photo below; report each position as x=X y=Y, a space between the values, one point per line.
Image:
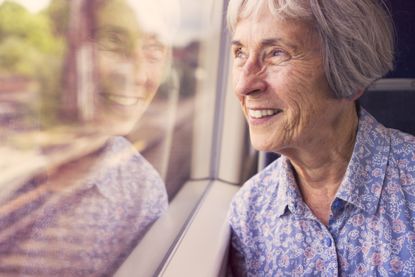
x=122 y=100
x=261 y=113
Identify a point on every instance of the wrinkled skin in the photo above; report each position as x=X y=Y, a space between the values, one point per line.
x=278 y=66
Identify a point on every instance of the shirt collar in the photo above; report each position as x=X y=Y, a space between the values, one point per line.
x=105 y=173
x=289 y=196
x=363 y=180
x=365 y=174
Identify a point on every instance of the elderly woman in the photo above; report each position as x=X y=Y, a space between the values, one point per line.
x=340 y=200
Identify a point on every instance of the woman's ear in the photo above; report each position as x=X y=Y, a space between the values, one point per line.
x=357 y=95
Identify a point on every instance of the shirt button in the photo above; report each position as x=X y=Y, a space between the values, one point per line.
x=327 y=242
x=337 y=205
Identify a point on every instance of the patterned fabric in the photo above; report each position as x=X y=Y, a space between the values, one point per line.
x=371 y=230
x=88 y=228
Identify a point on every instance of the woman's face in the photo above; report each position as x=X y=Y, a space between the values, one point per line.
x=131 y=64
x=279 y=79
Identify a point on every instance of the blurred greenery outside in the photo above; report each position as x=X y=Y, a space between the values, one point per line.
x=32 y=47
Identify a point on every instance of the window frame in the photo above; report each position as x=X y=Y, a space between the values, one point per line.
x=193 y=236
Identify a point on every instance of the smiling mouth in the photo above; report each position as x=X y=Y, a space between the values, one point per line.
x=122 y=100
x=258 y=114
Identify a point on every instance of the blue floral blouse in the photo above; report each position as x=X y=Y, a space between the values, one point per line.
x=371 y=229
x=88 y=228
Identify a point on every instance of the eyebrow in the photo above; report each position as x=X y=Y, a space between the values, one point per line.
x=268 y=42
x=236 y=43
x=271 y=41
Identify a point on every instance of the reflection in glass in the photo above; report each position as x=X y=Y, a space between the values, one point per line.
x=76 y=195
x=84 y=85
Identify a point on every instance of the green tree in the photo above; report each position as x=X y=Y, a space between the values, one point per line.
x=58 y=12
x=26 y=40
x=29 y=48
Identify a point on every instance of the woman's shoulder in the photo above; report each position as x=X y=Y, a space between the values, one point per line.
x=401 y=163
x=120 y=154
x=264 y=179
x=257 y=192
x=123 y=170
x=403 y=148
x=402 y=139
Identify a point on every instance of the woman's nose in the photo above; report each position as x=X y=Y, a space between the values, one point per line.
x=250 y=79
x=140 y=73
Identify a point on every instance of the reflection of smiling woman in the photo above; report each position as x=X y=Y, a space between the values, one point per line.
x=87 y=215
x=131 y=64
x=298 y=69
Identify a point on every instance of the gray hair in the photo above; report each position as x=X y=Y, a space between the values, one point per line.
x=357 y=36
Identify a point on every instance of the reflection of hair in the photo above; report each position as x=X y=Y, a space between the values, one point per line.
x=356 y=35
x=159 y=17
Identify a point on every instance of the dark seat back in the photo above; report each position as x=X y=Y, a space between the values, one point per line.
x=393 y=108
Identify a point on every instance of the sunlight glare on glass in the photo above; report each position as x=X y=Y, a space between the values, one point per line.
x=154 y=19
x=33 y=6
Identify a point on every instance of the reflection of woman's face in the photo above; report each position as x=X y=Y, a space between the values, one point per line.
x=130 y=64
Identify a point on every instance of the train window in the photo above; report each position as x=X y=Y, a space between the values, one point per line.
x=107 y=108
x=390 y=100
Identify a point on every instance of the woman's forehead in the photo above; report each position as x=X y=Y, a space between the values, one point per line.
x=147 y=16
x=281 y=9
x=265 y=27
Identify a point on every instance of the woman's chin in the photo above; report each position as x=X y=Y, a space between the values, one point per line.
x=261 y=146
x=112 y=126
x=264 y=142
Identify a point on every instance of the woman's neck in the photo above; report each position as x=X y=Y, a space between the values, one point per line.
x=320 y=166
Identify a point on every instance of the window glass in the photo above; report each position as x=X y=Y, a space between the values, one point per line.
x=97 y=109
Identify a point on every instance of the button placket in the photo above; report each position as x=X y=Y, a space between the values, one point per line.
x=327 y=242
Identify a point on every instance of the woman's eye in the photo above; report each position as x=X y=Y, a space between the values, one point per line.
x=276 y=53
x=238 y=53
x=277 y=56
x=108 y=41
x=112 y=41
x=154 y=52
x=239 y=56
